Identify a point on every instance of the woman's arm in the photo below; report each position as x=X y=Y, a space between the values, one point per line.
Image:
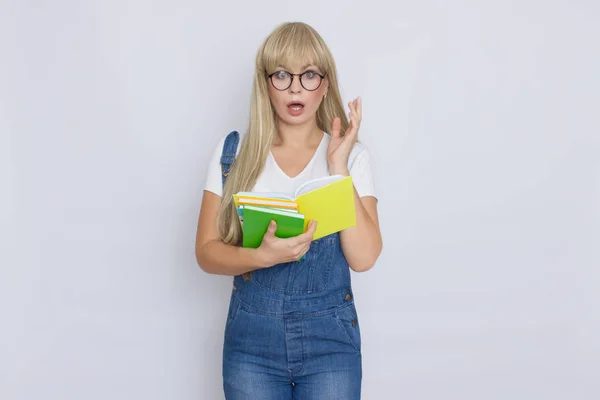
x=216 y=257
x=362 y=243
x=213 y=255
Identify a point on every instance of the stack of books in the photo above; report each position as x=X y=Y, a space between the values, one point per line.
x=329 y=201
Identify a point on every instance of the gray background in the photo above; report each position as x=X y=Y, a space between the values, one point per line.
x=482 y=117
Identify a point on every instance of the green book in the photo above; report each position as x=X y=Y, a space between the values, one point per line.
x=255 y=222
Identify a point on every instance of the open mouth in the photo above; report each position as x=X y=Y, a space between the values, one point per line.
x=295 y=106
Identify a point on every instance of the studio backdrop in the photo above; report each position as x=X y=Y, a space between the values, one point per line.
x=481 y=118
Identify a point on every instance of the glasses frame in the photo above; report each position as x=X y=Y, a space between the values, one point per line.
x=322 y=76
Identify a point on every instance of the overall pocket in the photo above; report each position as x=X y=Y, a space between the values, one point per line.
x=347 y=319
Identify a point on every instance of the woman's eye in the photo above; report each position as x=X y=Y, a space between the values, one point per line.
x=281 y=75
x=309 y=74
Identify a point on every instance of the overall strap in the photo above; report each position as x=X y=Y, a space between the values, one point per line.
x=227 y=158
x=228 y=154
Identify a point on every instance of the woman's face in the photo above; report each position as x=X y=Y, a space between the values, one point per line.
x=297 y=104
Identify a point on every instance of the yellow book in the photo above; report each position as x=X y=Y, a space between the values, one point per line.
x=328 y=200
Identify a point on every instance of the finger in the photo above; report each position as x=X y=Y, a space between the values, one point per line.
x=298 y=250
x=351 y=123
x=352 y=106
x=306 y=248
x=303 y=251
x=311 y=231
x=354 y=125
x=299 y=258
x=354 y=109
x=307 y=236
x=303 y=238
x=272 y=228
x=349 y=128
x=357 y=122
x=336 y=125
x=359 y=108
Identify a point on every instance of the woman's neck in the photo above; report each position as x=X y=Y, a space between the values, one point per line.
x=298 y=136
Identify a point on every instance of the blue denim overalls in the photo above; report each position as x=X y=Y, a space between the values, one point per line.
x=292 y=329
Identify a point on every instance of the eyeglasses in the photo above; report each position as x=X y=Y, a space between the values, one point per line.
x=282 y=80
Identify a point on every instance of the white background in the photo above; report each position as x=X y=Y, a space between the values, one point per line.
x=482 y=118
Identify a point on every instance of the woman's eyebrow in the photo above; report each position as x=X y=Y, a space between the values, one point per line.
x=303 y=68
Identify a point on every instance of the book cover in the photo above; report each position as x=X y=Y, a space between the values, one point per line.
x=331 y=205
x=256 y=222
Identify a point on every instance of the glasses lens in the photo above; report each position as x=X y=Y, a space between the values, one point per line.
x=310 y=80
x=281 y=80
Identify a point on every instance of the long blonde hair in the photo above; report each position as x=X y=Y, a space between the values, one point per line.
x=289 y=42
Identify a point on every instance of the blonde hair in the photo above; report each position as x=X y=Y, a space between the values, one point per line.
x=288 y=43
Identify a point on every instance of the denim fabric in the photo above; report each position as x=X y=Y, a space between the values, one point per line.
x=228 y=153
x=292 y=330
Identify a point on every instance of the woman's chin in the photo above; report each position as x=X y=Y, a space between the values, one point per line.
x=299 y=120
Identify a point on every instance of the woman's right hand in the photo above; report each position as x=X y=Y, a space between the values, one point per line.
x=274 y=250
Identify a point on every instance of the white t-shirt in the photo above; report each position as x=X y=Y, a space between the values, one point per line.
x=273 y=179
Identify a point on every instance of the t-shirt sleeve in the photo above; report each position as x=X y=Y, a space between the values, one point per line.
x=362 y=174
x=213 y=181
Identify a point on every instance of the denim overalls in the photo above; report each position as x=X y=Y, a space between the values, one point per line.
x=292 y=330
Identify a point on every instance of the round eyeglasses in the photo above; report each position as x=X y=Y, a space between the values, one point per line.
x=282 y=80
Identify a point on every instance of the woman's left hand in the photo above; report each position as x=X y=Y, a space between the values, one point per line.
x=340 y=146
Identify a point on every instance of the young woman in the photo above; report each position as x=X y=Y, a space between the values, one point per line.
x=292 y=329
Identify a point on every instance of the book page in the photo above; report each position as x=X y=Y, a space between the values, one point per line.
x=270 y=195
x=269 y=210
x=317 y=183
